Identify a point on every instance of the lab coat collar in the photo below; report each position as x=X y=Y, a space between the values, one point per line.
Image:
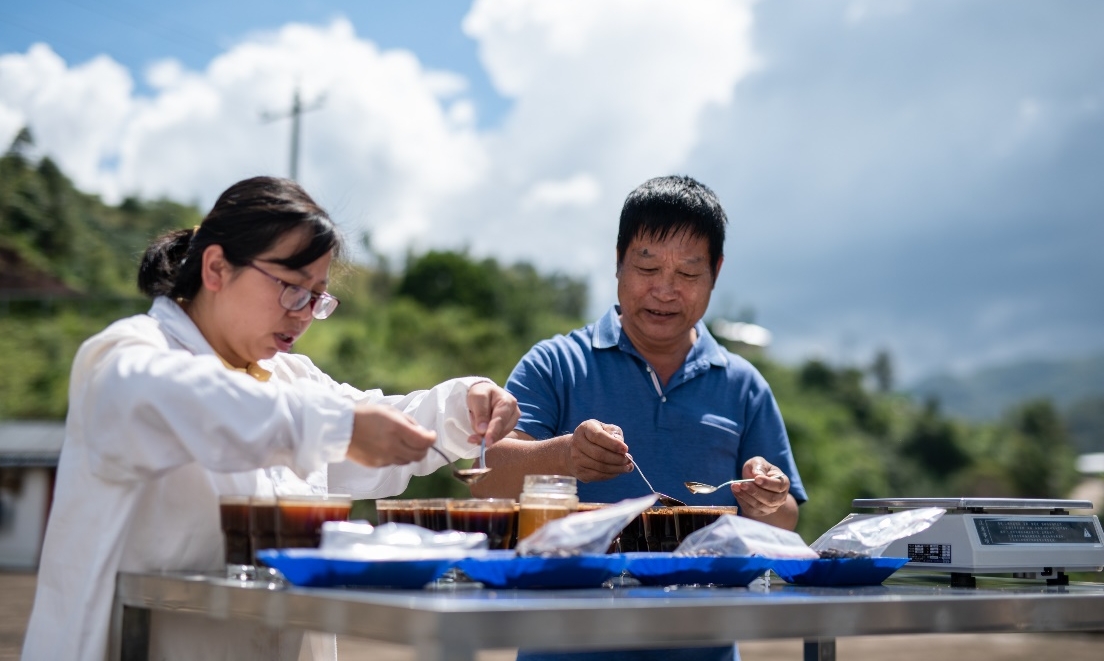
x=179 y=326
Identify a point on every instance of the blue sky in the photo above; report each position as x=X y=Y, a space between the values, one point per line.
x=920 y=176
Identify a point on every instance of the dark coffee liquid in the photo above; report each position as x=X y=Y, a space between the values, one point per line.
x=696 y=518
x=499 y=526
x=632 y=537
x=299 y=525
x=402 y=515
x=432 y=518
x=235 y=528
x=262 y=526
x=661 y=529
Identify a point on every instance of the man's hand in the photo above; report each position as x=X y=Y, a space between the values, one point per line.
x=385 y=436
x=492 y=412
x=766 y=494
x=598 y=452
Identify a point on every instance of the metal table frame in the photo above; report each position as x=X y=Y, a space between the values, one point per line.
x=452 y=625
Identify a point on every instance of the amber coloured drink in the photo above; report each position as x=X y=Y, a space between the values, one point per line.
x=299 y=519
x=234 y=518
x=661 y=529
x=492 y=516
x=545 y=498
x=262 y=524
x=531 y=518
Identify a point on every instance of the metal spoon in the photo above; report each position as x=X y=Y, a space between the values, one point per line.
x=663 y=498
x=699 y=487
x=468 y=476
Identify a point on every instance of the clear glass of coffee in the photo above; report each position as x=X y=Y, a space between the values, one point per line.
x=493 y=516
x=299 y=518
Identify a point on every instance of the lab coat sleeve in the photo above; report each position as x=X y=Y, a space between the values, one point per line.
x=444 y=409
x=150 y=409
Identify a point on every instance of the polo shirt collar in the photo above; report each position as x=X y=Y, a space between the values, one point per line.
x=608 y=334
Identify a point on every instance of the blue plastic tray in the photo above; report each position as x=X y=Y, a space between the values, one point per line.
x=308 y=568
x=669 y=569
x=837 y=571
x=504 y=569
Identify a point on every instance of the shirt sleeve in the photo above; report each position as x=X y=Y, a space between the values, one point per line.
x=534 y=384
x=146 y=409
x=765 y=436
x=443 y=409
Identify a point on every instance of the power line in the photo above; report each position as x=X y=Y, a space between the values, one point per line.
x=297 y=109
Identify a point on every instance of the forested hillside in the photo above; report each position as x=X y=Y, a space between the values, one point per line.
x=444 y=314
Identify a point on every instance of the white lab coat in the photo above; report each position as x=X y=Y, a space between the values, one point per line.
x=157 y=429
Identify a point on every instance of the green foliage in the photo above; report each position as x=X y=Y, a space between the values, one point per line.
x=92 y=247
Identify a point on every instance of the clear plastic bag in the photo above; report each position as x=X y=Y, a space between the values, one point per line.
x=732 y=535
x=359 y=540
x=584 y=532
x=868 y=537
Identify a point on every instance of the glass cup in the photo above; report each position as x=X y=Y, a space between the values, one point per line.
x=661 y=531
x=234 y=519
x=696 y=517
x=299 y=519
x=432 y=513
x=396 y=511
x=493 y=516
x=262 y=524
x=632 y=537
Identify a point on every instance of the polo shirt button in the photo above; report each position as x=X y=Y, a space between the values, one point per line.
x=663 y=399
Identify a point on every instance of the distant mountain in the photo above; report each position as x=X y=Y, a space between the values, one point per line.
x=986 y=394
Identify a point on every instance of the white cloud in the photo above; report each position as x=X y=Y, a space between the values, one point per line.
x=580 y=190
x=388 y=142
x=615 y=90
x=901 y=174
x=76 y=115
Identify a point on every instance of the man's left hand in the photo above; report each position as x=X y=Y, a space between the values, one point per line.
x=766 y=494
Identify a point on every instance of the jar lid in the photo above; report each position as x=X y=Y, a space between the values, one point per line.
x=549 y=484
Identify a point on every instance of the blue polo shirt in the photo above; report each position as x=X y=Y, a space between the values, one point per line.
x=714 y=414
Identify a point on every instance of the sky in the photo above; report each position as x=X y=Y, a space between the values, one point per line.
x=920 y=177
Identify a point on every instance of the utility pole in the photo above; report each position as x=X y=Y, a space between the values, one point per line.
x=297 y=109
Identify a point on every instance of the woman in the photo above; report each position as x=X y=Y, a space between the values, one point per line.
x=200 y=397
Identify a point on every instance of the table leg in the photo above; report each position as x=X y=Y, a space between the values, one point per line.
x=133 y=643
x=820 y=649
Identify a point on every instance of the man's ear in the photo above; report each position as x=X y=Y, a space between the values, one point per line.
x=216 y=271
x=617 y=260
x=717 y=271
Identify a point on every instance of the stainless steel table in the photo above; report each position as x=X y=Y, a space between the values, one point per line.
x=452 y=624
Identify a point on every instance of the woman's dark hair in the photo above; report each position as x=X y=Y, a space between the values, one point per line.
x=664 y=206
x=248 y=218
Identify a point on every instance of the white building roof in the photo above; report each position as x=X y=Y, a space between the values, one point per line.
x=30 y=442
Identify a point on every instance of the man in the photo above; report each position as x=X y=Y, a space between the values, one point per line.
x=647 y=379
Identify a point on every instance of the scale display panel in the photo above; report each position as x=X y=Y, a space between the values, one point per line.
x=1000 y=531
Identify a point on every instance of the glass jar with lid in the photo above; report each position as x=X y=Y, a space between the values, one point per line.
x=544 y=498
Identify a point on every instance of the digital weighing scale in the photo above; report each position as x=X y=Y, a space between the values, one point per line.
x=1028 y=538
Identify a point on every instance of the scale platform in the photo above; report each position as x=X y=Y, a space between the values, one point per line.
x=1028 y=538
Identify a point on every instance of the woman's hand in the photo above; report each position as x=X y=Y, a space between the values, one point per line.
x=492 y=412
x=385 y=436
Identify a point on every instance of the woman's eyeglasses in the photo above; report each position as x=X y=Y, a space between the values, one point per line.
x=295 y=298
